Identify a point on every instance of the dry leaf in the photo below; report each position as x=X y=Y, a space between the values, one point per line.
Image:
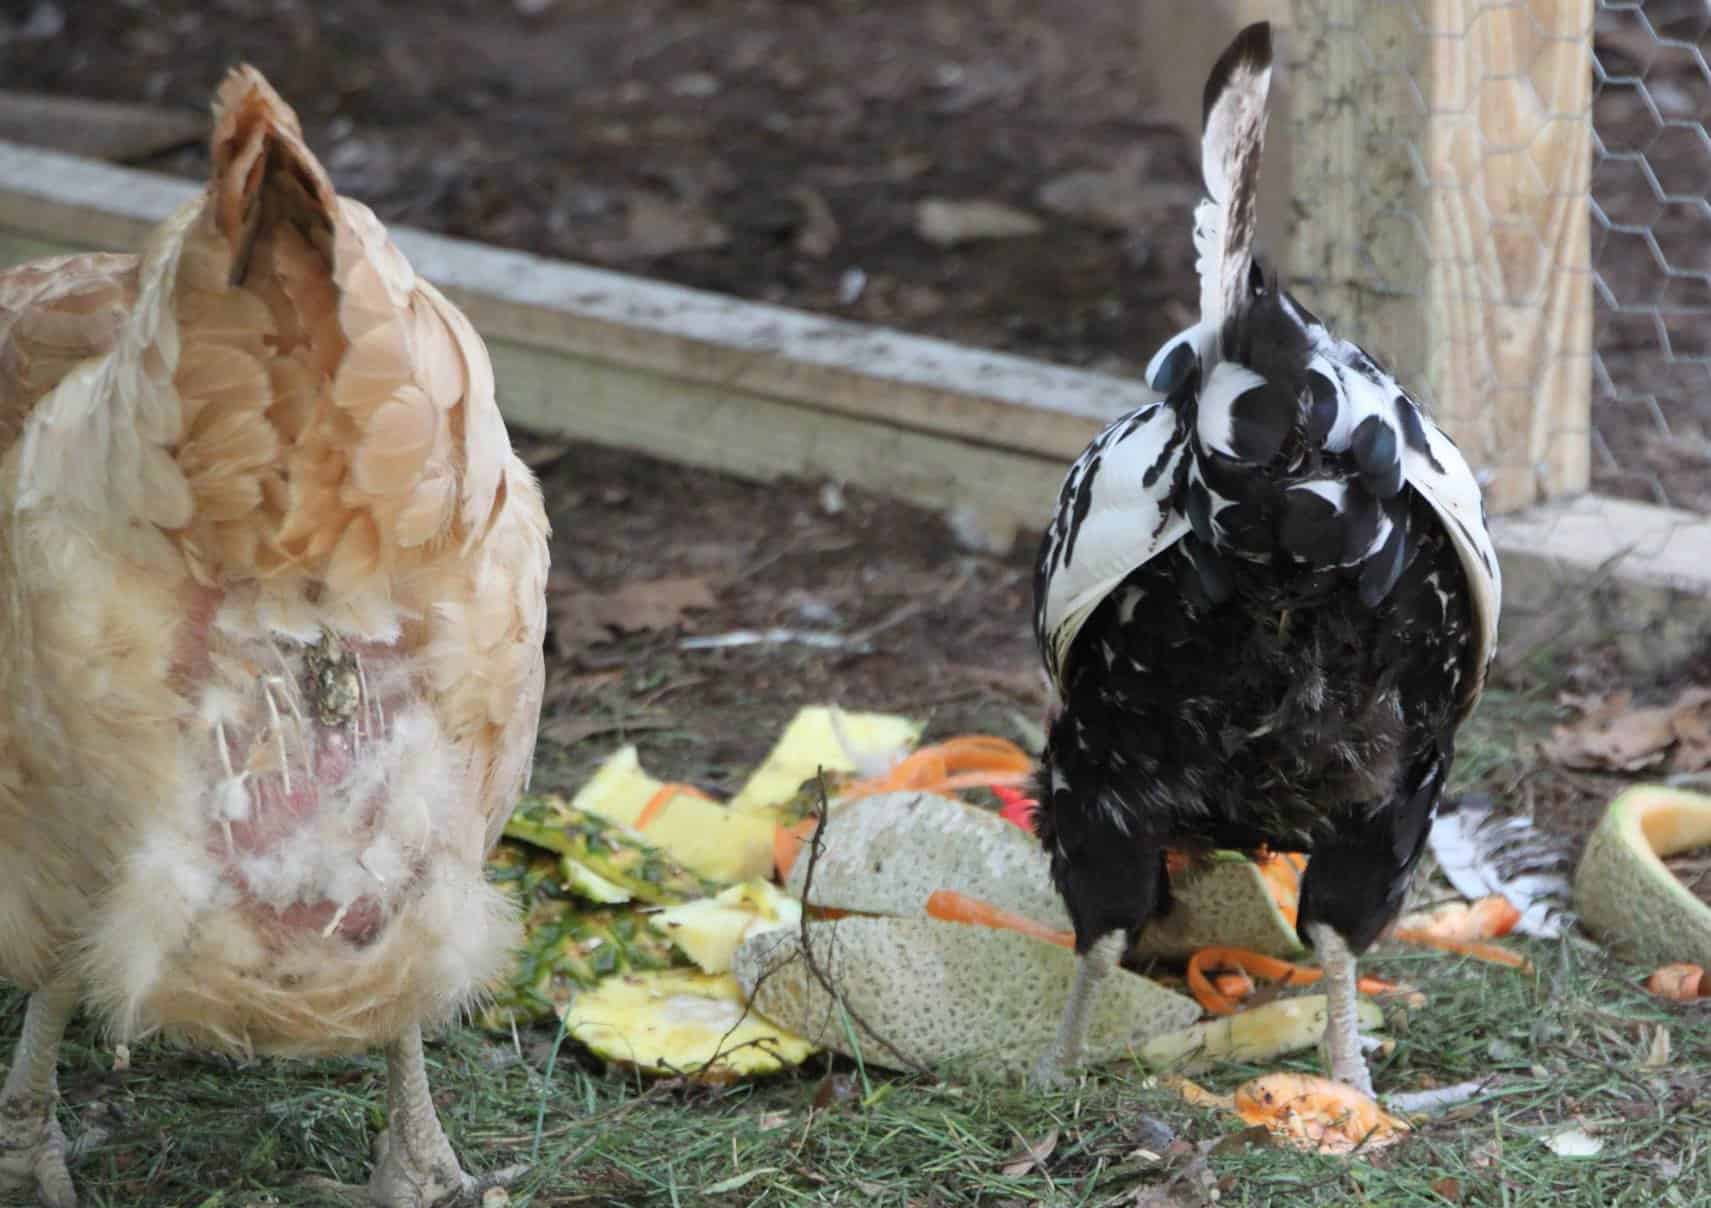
x=1486 y=1155
x=584 y=617
x=1691 y=723
x=819 y=232
x=658 y=227
x=1447 y=1188
x=1610 y=735
x=1034 y=1154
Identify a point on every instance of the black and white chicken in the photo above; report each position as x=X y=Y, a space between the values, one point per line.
x=1266 y=603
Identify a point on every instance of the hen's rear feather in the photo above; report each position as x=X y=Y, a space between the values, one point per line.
x=260 y=455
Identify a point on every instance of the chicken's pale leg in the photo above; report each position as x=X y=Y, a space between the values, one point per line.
x=1342 y=1022
x=32 y=1147
x=414 y=1163
x=1053 y=1066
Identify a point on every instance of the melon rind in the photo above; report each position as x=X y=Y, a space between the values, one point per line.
x=945 y=994
x=885 y=855
x=1625 y=893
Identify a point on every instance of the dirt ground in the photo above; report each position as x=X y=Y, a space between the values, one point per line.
x=778 y=150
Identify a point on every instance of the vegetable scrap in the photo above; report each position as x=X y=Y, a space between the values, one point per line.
x=1625 y=893
x=1314 y=1113
x=1678 y=983
x=881 y=914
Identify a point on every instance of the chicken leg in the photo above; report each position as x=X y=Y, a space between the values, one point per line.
x=414 y=1163
x=1344 y=1058
x=1053 y=1066
x=32 y=1147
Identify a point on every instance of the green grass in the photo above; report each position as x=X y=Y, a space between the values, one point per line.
x=1566 y=1046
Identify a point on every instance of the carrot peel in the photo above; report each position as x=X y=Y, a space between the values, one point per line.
x=950 y=906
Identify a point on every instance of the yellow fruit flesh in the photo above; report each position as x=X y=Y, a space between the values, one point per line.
x=707 y=838
x=678 y=1022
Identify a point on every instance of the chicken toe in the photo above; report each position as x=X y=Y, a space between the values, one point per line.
x=32 y=1146
x=414 y=1163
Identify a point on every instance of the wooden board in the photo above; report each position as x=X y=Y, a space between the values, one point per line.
x=635 y=364
x=112 y=130
x=1443 y=155
x=754 y=390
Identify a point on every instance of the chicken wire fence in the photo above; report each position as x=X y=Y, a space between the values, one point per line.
x=1548 y=160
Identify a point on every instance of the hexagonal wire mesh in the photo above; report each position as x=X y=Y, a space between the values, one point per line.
x=1443 y=212
x=1651 y=252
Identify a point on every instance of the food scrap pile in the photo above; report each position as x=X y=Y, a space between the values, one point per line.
x=918 y=929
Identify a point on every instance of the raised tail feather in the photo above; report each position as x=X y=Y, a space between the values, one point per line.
x=1231 y=142
x=287 y=397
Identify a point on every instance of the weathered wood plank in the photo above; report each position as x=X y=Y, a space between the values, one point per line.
x=112 y=130
x=826 y=364
x=1443 y=157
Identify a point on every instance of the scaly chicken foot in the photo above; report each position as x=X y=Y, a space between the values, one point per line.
x=1052 y=1067
x=414 y=1163
x=1343 y=1042
x=32 y=1145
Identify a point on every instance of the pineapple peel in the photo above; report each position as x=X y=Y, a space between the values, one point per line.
x=682 y=1022
x=710 y=930
x=712 y=840
x=823 y=737
x=1263 y=1033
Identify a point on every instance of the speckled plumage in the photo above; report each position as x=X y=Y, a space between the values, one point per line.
x=1265 y=602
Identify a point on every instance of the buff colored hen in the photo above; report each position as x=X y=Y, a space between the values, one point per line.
x=271 y=598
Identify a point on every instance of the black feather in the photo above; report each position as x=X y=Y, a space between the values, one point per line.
x=1380 y=572
x=1200 y=511
x=1251 y=49
x=1174 y=368
x=1322 y=413
x=1310 y=527
x=1373 y=444
x=1261 y=420
x=1414 y=431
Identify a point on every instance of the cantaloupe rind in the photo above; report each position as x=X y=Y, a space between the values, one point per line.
x=679 y=1021
x=885 y=855
x=940 y=995
x=1625 y=893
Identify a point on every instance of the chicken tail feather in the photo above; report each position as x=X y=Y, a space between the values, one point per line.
x=1233 y=135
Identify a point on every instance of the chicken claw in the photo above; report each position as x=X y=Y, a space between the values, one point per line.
x=32 y=1146
x=414 y=1163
